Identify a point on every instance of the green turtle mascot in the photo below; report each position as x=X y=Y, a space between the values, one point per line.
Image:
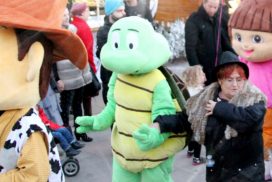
x=138 y=93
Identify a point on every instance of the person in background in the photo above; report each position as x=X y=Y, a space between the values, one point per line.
x=203 y=43
x=194 y=79
x=227 y=117
x=73 y=81
x=114 y=10
x=80 y=13
x=51 y=102
x=62 y=135
x=138 y=8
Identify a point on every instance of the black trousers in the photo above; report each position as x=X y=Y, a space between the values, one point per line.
x=71 y=99
x=195 y=147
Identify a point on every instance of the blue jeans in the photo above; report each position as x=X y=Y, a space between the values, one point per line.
x=64 y=136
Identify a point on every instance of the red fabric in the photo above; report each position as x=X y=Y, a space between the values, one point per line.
x=48 y=122
x=85 y=34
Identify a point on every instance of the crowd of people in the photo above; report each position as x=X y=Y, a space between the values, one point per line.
x=228 y=112
x=72 y=84
x=70 y=88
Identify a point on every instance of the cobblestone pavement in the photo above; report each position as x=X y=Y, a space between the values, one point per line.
x=96 y=158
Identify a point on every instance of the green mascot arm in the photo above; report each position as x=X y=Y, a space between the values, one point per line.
x=162 y=100
x=147 y=137
x=104 y=119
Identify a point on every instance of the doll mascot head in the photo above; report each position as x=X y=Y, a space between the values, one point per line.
x=250 y=27
x=31 y=39
x=251 y=30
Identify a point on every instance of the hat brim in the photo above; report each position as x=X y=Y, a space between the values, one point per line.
x=67 y=45
x=243 y=65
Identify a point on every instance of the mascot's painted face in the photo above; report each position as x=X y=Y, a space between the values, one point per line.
x=133 y=47
x=253 y=46
x=19 y=80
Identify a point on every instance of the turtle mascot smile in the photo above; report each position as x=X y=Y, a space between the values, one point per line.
x=138 y=93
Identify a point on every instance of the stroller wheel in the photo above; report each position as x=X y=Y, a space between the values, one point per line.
x=70 y=167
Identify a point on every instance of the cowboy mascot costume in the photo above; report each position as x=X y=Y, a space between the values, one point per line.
x=31 y=40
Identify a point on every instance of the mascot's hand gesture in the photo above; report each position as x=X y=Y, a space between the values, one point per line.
x=86 y=124
x=148 y=138
x=93 y=123
x=99 y=122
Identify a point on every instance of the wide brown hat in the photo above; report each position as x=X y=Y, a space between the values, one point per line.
x=45 y=16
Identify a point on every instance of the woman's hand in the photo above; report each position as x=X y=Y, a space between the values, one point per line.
x=60 y=85
x=209 y=107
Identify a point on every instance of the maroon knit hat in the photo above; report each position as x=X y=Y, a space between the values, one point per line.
x=78 y=8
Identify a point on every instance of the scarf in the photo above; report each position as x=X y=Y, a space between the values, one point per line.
x=248 y=96
x=7 y=121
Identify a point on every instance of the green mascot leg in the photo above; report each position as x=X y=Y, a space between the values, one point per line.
x=160 y=173
x=119 y=174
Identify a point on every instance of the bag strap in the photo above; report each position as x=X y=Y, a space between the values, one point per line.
x=177 y=86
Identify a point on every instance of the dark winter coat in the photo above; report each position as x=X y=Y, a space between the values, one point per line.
x=101 y=38
x=102 y=35
x=201 y=38
x=237 y=159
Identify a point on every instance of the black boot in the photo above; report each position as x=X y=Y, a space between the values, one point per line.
x=77 y=135
x=70 y=152
x=77 y=145
x=84 y=137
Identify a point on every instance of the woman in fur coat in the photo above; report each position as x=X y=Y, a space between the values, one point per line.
x=226 y=117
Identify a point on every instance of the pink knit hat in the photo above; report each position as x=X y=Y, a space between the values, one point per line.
x=78 y=8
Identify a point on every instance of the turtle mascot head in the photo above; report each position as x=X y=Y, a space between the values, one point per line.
x=133 y=47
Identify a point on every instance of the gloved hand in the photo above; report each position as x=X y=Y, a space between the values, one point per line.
x=105 y=118
x=86 y=124
x=148 y=138
x=93 y=123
